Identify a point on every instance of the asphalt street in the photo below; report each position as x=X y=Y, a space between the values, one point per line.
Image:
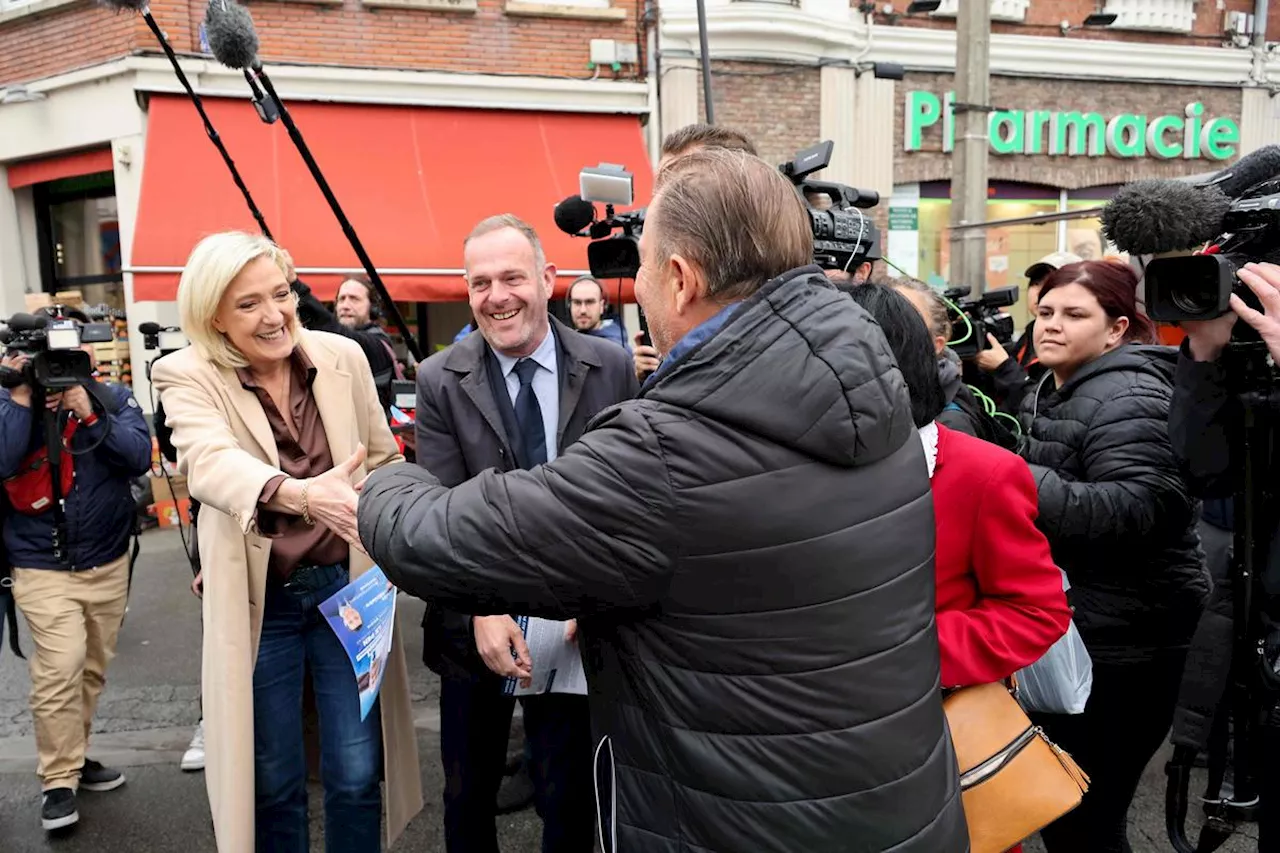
x=151 y=705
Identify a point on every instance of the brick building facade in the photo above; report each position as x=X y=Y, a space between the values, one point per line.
x=424 y=115
x=791 y=76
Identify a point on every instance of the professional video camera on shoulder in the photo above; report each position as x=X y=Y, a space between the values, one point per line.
x=843 y=236
x=973 y=318
x=53 y=342
x=1207 y=232
x=610 y=256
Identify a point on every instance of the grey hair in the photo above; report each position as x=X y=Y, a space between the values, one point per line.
x=734 y=216
x=510 y=220
x=939 y=321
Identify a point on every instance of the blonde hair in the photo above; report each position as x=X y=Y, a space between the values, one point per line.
x=733 y=215
x=214 y=263
x=510 y=220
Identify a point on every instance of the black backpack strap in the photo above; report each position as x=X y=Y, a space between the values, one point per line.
x=9 y=614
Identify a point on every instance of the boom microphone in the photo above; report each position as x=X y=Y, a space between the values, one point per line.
x=143 y=7
x=149 y=328
x=1251 y=169
x=231 y=34
x=1152 y=217
x=234 y=42
x=573 y=214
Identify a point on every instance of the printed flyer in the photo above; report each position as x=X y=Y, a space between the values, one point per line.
x=363 y=615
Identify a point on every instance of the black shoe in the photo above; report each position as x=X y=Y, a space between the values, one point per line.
x=58 y=810
x=95 y=777
x=516 y=793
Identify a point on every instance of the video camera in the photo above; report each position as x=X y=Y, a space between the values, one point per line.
x=1199 y=287
x=53 y=344
x=980 y=315
x=610 y=256
x=843 y=236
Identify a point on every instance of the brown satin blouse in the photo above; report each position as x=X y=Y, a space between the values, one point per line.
x=302 y=454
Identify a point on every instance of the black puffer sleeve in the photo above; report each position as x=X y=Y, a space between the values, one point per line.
x=1131 y=484
x=584 y=534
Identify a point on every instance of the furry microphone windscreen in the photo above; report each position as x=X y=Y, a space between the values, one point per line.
x=1153 y=216
x=232 y=37
x=125 y=5
x=1253 y=168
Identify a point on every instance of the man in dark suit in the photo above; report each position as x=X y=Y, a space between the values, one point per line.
x=513 y=396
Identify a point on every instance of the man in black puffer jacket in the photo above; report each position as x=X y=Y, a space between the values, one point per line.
x=748 y=547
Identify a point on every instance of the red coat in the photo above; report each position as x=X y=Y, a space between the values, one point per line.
x=1000 y=599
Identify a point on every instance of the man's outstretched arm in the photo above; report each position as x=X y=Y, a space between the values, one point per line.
x=592 y=531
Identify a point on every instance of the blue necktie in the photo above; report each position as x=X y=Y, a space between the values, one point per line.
x=529 y=415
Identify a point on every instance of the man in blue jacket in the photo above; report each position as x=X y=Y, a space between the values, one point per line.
x=72 y=589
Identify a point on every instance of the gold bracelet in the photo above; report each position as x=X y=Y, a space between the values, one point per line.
x=306 y=509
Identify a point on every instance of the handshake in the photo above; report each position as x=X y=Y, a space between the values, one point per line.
x=330 y=499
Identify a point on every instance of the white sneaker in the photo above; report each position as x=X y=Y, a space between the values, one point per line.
x=193 y=758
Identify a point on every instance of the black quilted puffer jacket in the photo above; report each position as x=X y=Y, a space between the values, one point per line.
x=1114 y=504
x=749 y=548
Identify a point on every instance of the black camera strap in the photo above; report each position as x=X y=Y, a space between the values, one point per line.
x=53 y=448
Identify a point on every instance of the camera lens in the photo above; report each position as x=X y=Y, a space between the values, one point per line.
x=1195 y=300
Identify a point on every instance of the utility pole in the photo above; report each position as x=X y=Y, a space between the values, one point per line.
x=969 y=159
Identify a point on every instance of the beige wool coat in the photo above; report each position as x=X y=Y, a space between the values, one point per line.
x=226 y=450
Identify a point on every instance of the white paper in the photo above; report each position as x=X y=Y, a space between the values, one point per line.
x=557 y=663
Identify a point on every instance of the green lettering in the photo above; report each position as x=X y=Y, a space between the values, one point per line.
x=1156 y=144
x=1219 y=138
x=1078 y=133
x=923 y=110
x=1127 y=136
x=1035 y=125
x=949 y=125
x=1191 y=131
x=1005 y=131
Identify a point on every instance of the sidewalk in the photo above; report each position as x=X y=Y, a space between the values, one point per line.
x=151 y=705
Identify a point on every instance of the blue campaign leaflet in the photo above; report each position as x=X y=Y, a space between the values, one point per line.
x=363 y=615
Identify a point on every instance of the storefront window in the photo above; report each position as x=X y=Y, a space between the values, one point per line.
x=80 y=239
x=920 y=234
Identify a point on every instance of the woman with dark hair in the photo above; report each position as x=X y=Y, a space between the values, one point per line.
x=1000 y=601
x=1122 y=525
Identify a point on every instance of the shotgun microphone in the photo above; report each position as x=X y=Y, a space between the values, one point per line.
x=234 y=42
x=143 y=7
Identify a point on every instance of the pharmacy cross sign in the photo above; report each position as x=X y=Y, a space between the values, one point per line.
x=1188 y=136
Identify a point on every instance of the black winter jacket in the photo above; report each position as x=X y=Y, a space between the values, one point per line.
x=1114 y=504
x=749 y=548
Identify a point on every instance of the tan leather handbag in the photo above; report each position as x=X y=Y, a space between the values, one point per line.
x=1014 y=781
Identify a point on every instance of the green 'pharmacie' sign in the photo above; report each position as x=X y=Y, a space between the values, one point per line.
x=1074 y=134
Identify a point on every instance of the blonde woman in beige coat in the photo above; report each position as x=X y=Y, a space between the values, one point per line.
x=271 y=424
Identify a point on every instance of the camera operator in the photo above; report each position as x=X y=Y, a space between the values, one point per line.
x=1015 y=368
x=72 y=588
x=1205 y=426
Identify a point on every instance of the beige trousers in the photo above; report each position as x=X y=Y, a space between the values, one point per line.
x=74 y=619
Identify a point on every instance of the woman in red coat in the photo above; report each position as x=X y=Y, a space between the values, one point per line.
x=1000 y=602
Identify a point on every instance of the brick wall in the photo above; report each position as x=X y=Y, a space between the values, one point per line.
x=1109 y=99
x=776 y=105
x=1045 y=16
x=62 y=39
x=350 y=34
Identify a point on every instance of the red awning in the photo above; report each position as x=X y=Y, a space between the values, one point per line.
x=412 y=181
x=27 y=172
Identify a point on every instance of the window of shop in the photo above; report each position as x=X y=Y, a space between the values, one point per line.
x=920 y=240
x=79 y=239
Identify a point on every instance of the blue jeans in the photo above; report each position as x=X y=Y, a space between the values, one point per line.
x=295 y=640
